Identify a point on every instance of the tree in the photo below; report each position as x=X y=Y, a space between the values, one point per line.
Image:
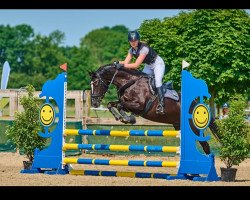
x=33 y=58
x=40 y=61
x=99 y=47
x=14 y=43
x=106 y=44
x=215 y=42
x=80 y=62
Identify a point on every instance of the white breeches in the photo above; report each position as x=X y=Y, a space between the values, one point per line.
x=158 y=69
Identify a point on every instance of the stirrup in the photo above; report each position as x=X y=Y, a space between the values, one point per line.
x=160 y=109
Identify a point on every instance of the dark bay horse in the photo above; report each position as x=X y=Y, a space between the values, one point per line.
x=136 y=96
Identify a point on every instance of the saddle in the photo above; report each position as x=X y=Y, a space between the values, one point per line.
x=168 y=89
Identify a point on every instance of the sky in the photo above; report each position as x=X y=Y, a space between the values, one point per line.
x=77 y=23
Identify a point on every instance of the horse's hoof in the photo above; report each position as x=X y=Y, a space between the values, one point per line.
x=123 y=121
x=132 y=119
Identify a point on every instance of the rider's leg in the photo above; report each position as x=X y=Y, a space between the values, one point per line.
x=159 y=70
x=160 y=106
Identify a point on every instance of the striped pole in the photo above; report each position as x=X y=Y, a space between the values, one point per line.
x=170 y=149
x=165 y=133
x=121 y=174
x=120 y=162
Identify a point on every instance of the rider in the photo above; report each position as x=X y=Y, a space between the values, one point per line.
x=154 y=64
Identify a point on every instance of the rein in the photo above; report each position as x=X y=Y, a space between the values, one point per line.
x=99 y=96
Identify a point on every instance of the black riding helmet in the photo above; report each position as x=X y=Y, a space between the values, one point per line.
x=133 y=36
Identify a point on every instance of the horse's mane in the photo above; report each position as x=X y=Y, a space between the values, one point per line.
x=134 y=72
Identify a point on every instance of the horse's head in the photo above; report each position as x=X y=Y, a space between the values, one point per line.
x=107 y=75
x=100 y=81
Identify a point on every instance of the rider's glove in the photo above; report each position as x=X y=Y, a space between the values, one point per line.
x=118 y=65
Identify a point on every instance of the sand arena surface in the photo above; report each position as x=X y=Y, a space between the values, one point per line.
x=11 y=164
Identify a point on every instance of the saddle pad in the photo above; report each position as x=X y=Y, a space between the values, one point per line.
x=172 y=94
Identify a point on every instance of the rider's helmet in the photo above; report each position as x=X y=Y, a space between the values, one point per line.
x=133 y=36
x=225 y=105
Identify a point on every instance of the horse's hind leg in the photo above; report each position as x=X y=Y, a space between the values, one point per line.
x=177 y=126
x=205 y=146
x=214 y=128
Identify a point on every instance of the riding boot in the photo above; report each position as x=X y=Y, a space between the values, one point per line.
x=160 y=106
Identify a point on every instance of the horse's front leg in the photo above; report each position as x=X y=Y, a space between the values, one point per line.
x=121 y=114
x=111 y=107
x=125 y=118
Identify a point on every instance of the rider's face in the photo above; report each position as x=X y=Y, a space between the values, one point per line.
x=134 y=43
x=225 y=110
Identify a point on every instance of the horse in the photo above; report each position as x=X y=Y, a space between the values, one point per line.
x=136 y=95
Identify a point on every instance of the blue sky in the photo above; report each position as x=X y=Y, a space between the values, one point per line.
x=77 y=23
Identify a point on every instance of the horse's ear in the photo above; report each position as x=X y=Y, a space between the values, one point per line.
x=90 y=72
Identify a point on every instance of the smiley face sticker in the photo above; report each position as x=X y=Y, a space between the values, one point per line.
x=201 y=116
x=47 y=114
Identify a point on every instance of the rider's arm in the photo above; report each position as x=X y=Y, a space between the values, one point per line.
x=143 y=53
x=137 y=63
x=127 y=59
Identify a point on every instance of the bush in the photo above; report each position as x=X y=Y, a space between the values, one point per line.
x=23 y=133
x=234 y=132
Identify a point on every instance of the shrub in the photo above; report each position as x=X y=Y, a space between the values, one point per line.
x=234 y=132
x=23 y=133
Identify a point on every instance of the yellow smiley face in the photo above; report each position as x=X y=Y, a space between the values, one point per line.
x=201 y=116
x=47 y=114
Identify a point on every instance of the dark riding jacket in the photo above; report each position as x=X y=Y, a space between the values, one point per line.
x=151 y=56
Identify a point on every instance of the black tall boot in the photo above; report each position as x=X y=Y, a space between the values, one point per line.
x=160 y=106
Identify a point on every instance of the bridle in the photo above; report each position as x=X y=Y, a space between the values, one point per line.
x=104 y=85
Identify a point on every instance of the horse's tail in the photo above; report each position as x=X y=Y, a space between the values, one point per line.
x=214 y=128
